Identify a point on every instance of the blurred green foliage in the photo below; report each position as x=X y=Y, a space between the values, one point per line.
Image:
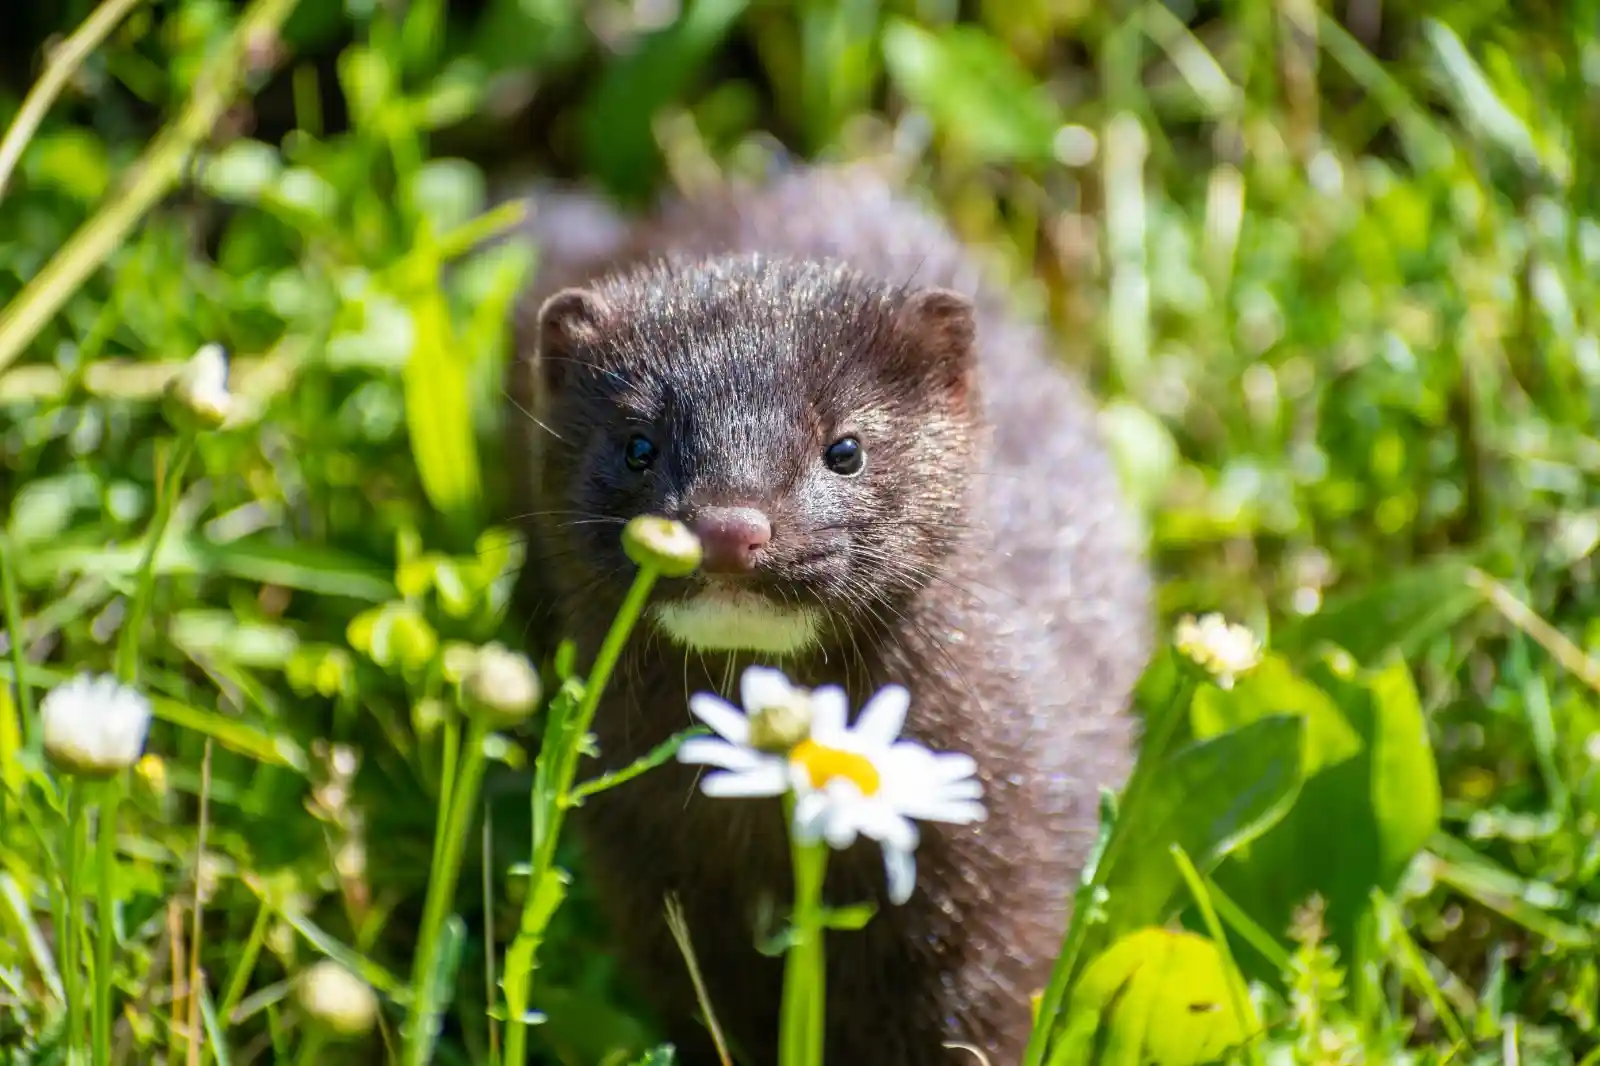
x=1331 y=267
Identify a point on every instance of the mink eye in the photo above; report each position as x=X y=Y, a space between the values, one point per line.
x=845 y=457
x=639 y=453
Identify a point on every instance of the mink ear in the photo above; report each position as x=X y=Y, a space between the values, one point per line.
x=939 y=330
x=571 y=319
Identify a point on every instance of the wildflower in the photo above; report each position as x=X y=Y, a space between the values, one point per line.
x=201 y=390
x=671 y=547
x=1224 y=651
x=502 y=684
x=847 y=781
x=94 y=726
x=338 y=999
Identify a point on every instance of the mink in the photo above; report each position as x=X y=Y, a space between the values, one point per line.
x=897 y=481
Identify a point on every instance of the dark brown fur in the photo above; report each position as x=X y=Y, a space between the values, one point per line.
x=984 y=559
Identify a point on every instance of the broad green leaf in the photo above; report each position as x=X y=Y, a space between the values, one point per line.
x=1273 y=688
x=1210 y=798
x=1154 y=998
x=975 y=92
x=1359 y=822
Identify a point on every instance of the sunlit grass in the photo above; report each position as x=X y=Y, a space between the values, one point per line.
x=1333 y=279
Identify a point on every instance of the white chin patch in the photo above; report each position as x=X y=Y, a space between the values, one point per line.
x=735 y=620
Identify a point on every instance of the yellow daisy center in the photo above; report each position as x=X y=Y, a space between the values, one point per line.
x=824 y=764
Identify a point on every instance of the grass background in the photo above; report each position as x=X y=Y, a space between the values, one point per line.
x=1329 y=265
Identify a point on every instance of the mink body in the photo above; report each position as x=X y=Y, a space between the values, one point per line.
x=983 y=557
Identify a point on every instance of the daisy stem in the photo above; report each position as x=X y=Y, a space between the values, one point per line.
x=456 y=812
x=169 y=488
x=70 y=937
x=105 y=925
x=552 y=795
x=801 y=1026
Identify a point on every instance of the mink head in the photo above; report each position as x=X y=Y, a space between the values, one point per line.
x=814 y=427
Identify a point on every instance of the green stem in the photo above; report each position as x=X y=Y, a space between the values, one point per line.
x=802 y=1022
x=167 y=493
x=11 y=614
x=578 y=725
x=460 y=808
x=564 y=734
x=64 y=61
x=71 y=937
x=105 y=926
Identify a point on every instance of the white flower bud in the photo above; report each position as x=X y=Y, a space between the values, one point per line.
x=94 y=726
x=201 y=390
x=502 y=684
x=668 y=546
x=1224 y=651
x=338 y=1000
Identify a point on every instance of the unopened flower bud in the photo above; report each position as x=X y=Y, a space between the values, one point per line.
x=94 y=726
x=502 y=684
x=663 y=544
x=1224 y=651
x=338 y=1000
x=198 y=397
x=777 y=728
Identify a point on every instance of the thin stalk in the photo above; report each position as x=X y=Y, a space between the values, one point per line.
x=802 y=1022
x=550 y=803
x=71 y=935
x=604 y=662
x=167 y=491
x=11 y=614
x=105 y=926
x=58 y=70
x=460 y=807
x=154 y=174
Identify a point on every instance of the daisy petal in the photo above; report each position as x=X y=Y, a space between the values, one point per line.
x=712 y=751
x=765 y=780
x=722 y=716
x=889 y=827
x=810 y=813
x=884 y=715
x=941 y=809
x=901 y=870
x=762 y=686
x=830 y=708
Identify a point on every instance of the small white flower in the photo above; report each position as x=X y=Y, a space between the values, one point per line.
x=502 y=684
x=848 y=781
x=338 y=999
x=94 y=726
x=1224 y=651
x=202 y=386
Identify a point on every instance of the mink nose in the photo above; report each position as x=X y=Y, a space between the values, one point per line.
x=731 y=538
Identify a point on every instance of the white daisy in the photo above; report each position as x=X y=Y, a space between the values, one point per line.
x=202 y=385
x=93 y=725
x=1223 y=650
x=848 y=781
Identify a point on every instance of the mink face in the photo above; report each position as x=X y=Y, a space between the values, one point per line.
x=813 y=427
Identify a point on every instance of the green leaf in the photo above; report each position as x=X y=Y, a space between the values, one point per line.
x=1359 y=821
x=1273 y=688
x=1154 y=997
x=975 y=92
x=1211 y=798
x=438 y=406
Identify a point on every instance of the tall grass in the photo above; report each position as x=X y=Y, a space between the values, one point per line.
x=1329 y=266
